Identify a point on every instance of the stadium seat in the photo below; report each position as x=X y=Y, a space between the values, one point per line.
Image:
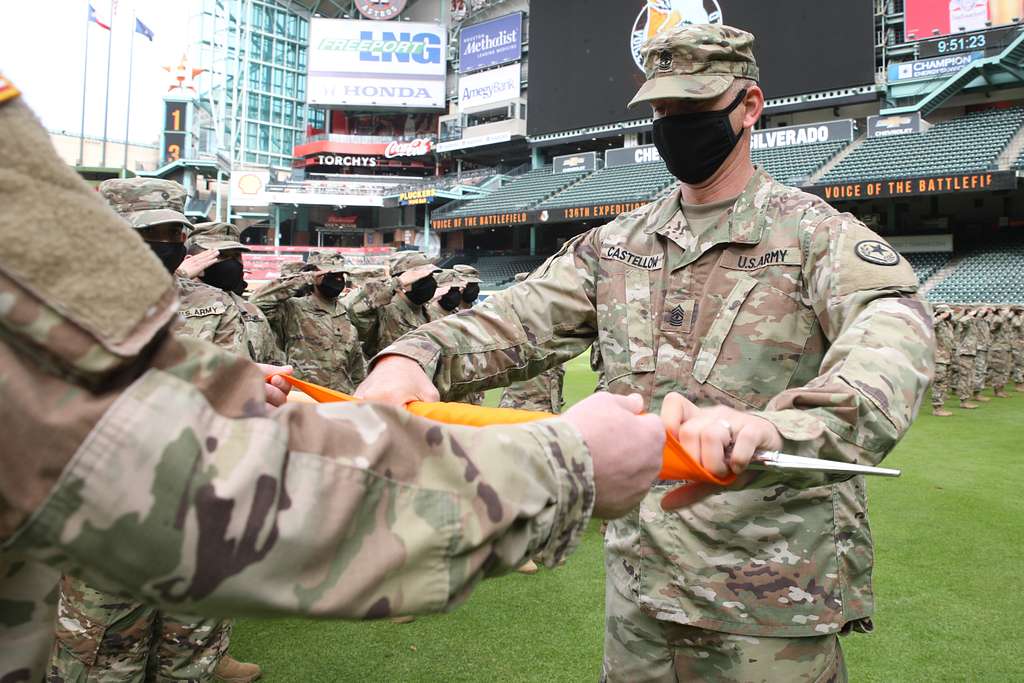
x=991 y=274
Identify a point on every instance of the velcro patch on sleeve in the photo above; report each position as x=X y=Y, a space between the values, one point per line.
x=643 y=261
x=217 y=308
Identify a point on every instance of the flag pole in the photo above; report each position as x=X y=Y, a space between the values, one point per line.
x=128 y=109
x=85 y=76
x=106 y=103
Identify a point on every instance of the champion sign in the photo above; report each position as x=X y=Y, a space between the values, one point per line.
x=369 y=64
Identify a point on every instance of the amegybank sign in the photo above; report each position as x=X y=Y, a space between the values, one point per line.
x=489 y=87
x=370 y=64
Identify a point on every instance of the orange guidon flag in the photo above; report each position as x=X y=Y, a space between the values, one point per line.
x=676 y=465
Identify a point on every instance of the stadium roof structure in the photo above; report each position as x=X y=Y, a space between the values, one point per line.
x=331 y=9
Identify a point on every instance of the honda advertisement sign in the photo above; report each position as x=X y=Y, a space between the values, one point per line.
x=370 y=64
x=491 y=43
x=489 y=87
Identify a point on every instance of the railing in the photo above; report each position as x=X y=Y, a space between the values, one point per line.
x=369 y=139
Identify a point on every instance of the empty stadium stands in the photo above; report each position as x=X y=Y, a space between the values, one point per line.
x=926 y=264
x=631 y=183
x=498 y=272
x=994 y=275
x=794 y=165
x=523 y=192
x=971 y=142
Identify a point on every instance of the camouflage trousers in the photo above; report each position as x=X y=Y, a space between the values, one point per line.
x=940 y=385
x=1018 y=364
x=639 y=648
x=965 y=377
x=103 y=637
x=999 y=367
x=980 y=371
x=28 y=607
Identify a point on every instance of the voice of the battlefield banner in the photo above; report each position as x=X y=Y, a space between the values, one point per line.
x=957 y=183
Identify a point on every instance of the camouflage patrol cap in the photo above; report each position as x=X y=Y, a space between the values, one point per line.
x=225 y=230
x=146 y=202
x=218 y=242
x=292 y=267
x=409 y=260
x=328 y=261
x=469 y=274
x=695 y=62
x=448 y=278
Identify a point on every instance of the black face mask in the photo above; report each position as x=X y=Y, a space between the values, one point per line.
x=694 y=146
x=332 y=286
x=227 y=275
x=449 y=301
x=422 y=290
x=171 y=254
x=471 y=292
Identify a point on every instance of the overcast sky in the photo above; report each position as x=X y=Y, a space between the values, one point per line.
x=42 y=48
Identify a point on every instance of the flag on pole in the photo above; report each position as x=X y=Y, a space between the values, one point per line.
x=96 y=19
x=144 y=30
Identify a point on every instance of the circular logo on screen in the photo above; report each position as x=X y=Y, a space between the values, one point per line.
x=659 y=15
x=381 y=10
x=879 y=253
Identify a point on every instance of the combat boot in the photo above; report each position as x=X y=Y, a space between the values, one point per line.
x=941 y=412
x=999 y=393
x=968 y=405
x=230 y=670
x=407 y=619
x=528 y=567
x=1020 y=388
x=981 y=399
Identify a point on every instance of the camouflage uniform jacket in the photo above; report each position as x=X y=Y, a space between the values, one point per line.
x=382 y=314
x=786 y=308
x=211 y=315
x=945 y=341
x=260 y=336
x=1017 y=330
x=317 y=337
x=967 y=333
x=1001 y=331
x=542 y=393
x=984 y=328
x=224 y=507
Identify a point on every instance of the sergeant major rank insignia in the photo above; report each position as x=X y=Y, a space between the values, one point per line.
x=665 y=60
x=877 y=252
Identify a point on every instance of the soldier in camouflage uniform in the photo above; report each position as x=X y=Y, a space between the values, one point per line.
x=384 y=311
x=787 y=325
x=149 y=462
x=983 y=330
x=1000 y=352
x=103 y=636
x=318 y=340
x=228 y=275
x=944 y=345
x=542 y=393
x=1017 y=344
x=448 y=297
x=967 y=350
x=471 y=284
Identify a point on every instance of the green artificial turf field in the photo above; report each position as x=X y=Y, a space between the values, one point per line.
x=949 y=559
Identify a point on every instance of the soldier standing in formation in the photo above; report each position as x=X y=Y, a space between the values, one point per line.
x=823 y=349
x=228 y=275
x=448 y=297
x=967 y=350
x=146 y=462
x=1000 y=352
x=384 y=311
x=983 y=330
x=1017 y=343
x=105 y=636
x=471 y=285
x=945 y=342
x=314 y=330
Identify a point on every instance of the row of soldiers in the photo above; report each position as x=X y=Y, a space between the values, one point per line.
x=325 y=318
x=977 y=346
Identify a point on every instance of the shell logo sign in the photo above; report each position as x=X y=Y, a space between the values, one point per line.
x=249 y=188
x=660 y=15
